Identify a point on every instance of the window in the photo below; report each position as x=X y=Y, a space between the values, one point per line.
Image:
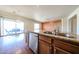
x=9 y=26
x=19 y=27
x=36 y=27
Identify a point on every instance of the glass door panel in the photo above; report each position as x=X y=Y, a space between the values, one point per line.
x=19 y=27
x=9 y=27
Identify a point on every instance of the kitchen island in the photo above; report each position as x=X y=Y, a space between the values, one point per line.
x=55 y=44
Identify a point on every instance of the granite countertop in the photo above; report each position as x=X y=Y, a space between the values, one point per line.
x=75 y=39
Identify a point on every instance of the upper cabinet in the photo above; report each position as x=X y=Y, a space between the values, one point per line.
x=51 y=26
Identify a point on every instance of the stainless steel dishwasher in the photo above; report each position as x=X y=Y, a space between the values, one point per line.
x=33 y=42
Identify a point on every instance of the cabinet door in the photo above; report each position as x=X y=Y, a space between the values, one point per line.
x=44 y=48
x=60 y=51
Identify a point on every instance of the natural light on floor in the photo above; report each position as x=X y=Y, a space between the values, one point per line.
x=12 y=32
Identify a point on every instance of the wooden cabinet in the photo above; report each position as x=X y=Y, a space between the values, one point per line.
x=55 y=45
x=48 y=45
x=45 y=45
x=51 y=26
x=65 y=46
x=60 y=51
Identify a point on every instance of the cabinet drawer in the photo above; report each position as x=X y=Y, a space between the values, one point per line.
x=45 y=38
x=60 y=51
x=66 y=46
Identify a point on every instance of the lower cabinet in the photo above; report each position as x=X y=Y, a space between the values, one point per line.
x=44 y=48
x=60 y=51
x=45 y=45
x=54 y=45
x=65 y=47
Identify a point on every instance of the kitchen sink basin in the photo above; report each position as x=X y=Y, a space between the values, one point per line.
x=66 y=35
x=60 y=34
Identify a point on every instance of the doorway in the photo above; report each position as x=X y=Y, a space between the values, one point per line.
x=73 y=25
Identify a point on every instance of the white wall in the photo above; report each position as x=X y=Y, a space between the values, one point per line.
x=66 y=21
x=64 y=25
x=78 y=23
x=0 y=29
x=76 y=12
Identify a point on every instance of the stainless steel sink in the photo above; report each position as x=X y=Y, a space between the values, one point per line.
x=61 y=34
x=66 y=35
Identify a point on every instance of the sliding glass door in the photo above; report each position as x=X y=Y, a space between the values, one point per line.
x=9 y=26
x=19 y=27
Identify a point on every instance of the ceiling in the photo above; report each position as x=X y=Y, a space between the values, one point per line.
x=40 y=12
